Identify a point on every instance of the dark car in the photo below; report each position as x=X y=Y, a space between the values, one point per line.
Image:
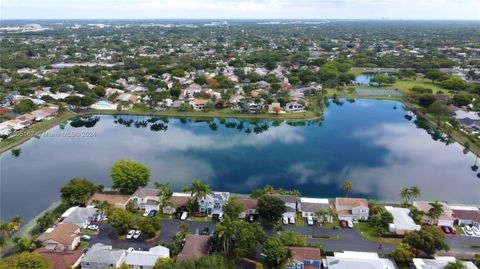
x=251 y=218
x=205 y=231
x=152 y=213
x=446 y=229
x=178 y=215
x=344 y=224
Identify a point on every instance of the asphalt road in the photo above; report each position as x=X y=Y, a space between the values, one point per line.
x=348 y=239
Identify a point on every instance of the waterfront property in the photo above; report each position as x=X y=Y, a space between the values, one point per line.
x=350 y=259
x=402 y=222
x=352 y=209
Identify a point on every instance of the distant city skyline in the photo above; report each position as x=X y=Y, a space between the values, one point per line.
x=241 y=9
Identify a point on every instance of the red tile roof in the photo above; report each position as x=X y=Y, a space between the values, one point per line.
x=60 y=260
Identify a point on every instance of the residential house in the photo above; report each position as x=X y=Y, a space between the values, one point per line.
x=113 y=198
x=80 y=216
x=249 y=206
x=101 y=256
x=139 y=259
x=310 y=206
x=439 y=263
x=291 y=202
x=177 y=104
x=402 y=222
x=14 y=125
x=352 y=209
x=26 y=119
x=61 y=260
x=64 y=237
x=445 y=219
x=274 y=108
x=213 y=203
x=146 y=198
x=127 y=97
x=198 y=104
x=196 y=246
x=305 y=258
x=191 y=90
x=45 y=113
x=351 y=259
x=177 y=200
x=466 y=215
x=294 y=107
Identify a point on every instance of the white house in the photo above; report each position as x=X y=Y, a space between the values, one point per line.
x=101 y=256
x=351 y=259
x=352 y=209
x=310 y=206
x=80 y=216
x=402 y=222
x=146 y=198
x=439 y=263
x=213 y=203
x=139 y=259
x=294 y=107
x=466 y=215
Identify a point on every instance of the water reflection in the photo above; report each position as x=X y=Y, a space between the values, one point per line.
x=366 y=141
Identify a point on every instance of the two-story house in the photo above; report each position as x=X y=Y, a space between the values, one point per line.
x=213 y=203
x=352 y=209
x=146 y=198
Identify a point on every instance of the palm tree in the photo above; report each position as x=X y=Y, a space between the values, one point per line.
x=321 y=213
x=15 y=224
x=405 y=194
x=347 y=187
x=415 y=192
x=198 y=189
x=287 y=257
x=165 y=194
x=435 y=211
x=225 y=233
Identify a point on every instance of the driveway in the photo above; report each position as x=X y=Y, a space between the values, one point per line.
x=107 y=234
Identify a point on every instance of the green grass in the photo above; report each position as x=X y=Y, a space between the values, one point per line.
x=88 y=231
x=471 y=246
x=406 y=84
x=223 y=113
x=199 y=219
x=16 y=140
x=299 y=222
x=368 y=233
x=83 y=245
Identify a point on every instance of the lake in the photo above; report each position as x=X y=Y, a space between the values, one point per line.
x=376 y=144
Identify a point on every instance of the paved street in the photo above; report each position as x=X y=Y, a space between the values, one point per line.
x=348 y=239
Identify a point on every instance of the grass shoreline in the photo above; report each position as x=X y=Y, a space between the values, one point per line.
x=14 y=141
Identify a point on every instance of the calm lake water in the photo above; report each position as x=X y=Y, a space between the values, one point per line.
x=373 y=143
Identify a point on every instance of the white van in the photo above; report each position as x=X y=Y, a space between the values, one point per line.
x=184 y=216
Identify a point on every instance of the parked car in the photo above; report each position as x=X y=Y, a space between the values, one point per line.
x=476 y=231
x=93 y=227
x=291 y=220
x=184 y=215
x=343 y=223
x=146 y=213
x=130 y=234
x=446 y=229
x=454 y=231
x=285 y=220
x=137 y=234
x=205 y=231
x=468 y=230
x=350 y=224
x=152 y=213
x=310 y=220
x=86 y=237
x=178 y=215
x=251 y=218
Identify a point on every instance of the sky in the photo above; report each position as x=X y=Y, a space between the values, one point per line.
x=241 y=9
